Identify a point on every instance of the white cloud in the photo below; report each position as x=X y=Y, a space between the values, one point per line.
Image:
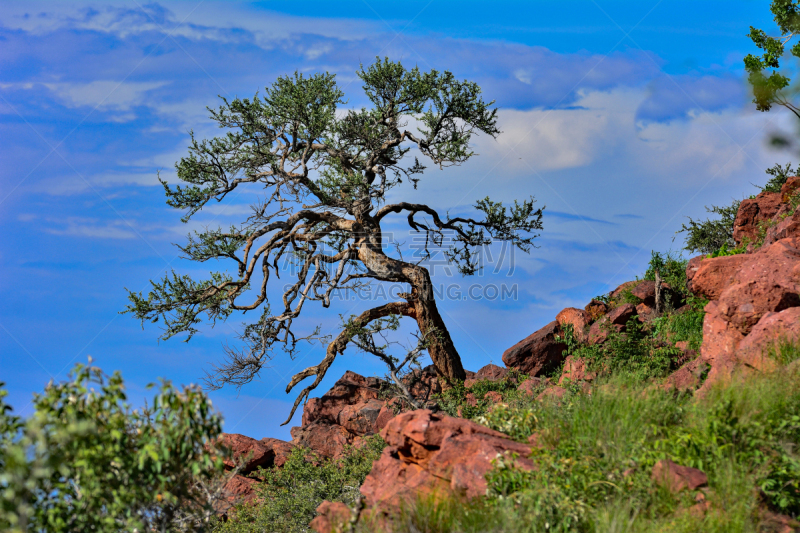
x=92 y=228
x=104 y=94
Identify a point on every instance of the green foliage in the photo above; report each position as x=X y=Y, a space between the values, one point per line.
x=708 y=236
x=672 y=270
x=454 y=400
x=768 y=87
x=779 y=176
x=685 y=326
x=724 y=251
x=291 y=494
x=84 y=461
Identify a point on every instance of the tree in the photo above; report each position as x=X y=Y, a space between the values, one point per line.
x=327 y=177
x=770 y=88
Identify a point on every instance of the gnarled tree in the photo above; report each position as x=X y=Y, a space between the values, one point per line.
x=326 y=176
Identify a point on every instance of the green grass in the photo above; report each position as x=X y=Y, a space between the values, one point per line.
x=594 y=471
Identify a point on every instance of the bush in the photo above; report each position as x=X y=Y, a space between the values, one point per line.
x=289 y=496
x=85 y=462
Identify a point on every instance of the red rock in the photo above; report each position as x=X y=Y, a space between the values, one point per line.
x=575 y=369
x=350 y=389
x=238 y=489
x=773 y=328
x=493 y=397
x=386 y=414
x=361 y=418
x=615 y=320
x=538 y=353
x=712 y=276
x=617 y=293
x=327 y=440
x=280 y=448
x=752 y=213
x=719 y=346
x=790 y=188
x=687 y=377
x=578 y=319
x=692 y=266
x=553 y=392
x=787 y=227
x=530 y=386
x=259 y=454
x=645 y=312
x=677 y=478
x=596 y=309
x=767 y=281
x=331 y=516
x=492 y=372
x=425 y=383
x=432 y=453
x=646 y=292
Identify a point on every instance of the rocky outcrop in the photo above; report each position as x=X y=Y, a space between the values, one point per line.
x=251 y=453
x=432 y=453
x=753 y=213
x=596 y=309
x=614 y=320
x=537 y=353
x=579 y=319
x=575 y=370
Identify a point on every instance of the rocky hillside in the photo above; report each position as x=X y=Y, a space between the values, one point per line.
x=687 y=338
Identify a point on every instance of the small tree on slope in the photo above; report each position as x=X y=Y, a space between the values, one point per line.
x=325 y=177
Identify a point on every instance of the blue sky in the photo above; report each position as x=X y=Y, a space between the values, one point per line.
x=621 y=117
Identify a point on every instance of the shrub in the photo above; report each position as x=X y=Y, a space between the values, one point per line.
x=84 y=461
x=290 y=495
x=707 y=236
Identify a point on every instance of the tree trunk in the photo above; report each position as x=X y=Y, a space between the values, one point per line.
x=441 y=349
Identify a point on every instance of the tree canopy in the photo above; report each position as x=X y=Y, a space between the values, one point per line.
x=325 y=171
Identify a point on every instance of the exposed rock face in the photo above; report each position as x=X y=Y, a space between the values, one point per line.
x=531 y=385
x=614 y=320
x=238 y=489
x=575 y=369
x=646 y=292
x=490 y=372
x=258 y=453
x=771 y=330
x=350 y=390
x=709 y=277
x=330 y=517
x=628 y=285
x=432 y=453
x=579 y=319
x=327 y=440
x=536 y=353
x=677 y=478
x=688 y=376
x=596 y=309
x=753 y=212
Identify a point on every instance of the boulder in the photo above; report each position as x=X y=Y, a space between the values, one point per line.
x=720 y=340
x=489 y=372
x=432 y=453
x=553 y=393
x=687 y=377
x=771 y=330
x=579 y=319
x=280 y=448
x=492 y=372
x=331 y=516
x=596 y=309
x=361 y=419
x=790 y=188
x=531 y=386
x=238 y=489
x=766 y=282
x=537 y=353
x=493 y=397
x=256 y=453
x=709 y=277
x=425 y=383
x=350 y=389
x=575 y=369
x=617 y=293
x=646 y=292
x=677 y=478
x=784 y=228
x=326 y=440
x=615 y=320
x=754 y=212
